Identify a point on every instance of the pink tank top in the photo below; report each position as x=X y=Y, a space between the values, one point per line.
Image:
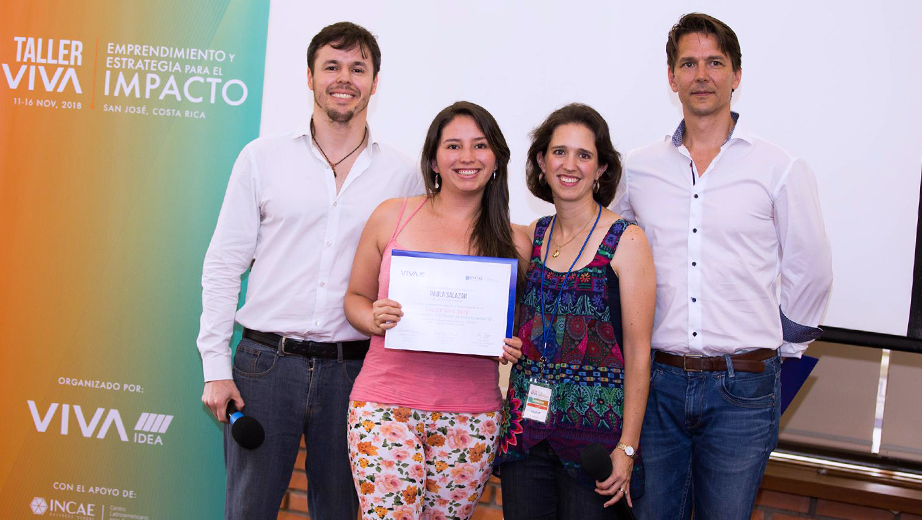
x=424 y=380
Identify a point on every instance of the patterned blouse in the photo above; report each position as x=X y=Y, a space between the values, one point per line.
x=584 y=360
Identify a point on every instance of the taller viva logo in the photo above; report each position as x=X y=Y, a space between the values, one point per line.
x=52 y=62
x=149 y=428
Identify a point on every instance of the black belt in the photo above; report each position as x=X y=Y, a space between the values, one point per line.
x=746 y=362
x=350 y=349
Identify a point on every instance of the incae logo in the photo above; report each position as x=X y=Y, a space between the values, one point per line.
x=68 y=507
x=39 y=506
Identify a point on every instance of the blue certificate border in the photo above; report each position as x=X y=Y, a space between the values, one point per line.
x=514 y=263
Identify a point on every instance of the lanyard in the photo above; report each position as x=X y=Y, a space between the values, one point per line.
x=544 y=327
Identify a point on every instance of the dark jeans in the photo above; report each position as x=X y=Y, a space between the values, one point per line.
x=706 y=438
x=539 y=487
x=291 y=396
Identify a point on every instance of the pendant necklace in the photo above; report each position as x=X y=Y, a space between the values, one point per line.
x=324 y=154
x=557 y=249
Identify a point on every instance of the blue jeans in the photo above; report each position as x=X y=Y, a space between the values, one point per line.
x=706 y=439
x=291 y=396
x=539 y=487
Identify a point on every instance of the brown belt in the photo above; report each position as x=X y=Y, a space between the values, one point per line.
x=746 y=362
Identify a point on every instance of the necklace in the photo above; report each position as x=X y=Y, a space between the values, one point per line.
x=557 y=249
x=324 y=154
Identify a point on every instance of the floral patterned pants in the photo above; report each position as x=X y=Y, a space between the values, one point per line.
x=412 y=464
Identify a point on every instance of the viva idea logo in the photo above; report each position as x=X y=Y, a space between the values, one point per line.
x=149 y=429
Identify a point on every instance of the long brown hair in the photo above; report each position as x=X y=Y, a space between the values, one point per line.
x=491 y=234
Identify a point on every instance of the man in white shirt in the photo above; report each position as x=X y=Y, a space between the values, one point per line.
x=726 y=213
x=293 y=212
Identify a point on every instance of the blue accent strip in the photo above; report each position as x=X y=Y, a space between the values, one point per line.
x=794 y=373
x=510 y=314
x=235 y=416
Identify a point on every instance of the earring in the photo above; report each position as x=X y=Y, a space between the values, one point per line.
x=436 y=183
x=494 y=175
x=541 y=179
x=595 y=187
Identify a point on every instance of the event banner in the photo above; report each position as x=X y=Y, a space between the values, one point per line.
x=119 y=125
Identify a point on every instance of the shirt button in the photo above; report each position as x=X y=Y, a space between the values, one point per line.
x=317 y=322
x=694 y=333
x=694 y=264
x=329 y=244
x=694 y=300
x=696 y=195
x=335 y=203
x=322 y=284
x=694 y=230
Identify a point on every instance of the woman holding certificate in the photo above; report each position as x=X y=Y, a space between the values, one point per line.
x=586 y=321
x=423 y=426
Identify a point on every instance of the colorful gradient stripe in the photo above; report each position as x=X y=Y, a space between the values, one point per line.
x=105 y=217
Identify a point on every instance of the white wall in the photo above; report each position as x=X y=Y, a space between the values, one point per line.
x=834 y=82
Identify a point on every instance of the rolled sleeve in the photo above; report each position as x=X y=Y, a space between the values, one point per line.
x=806 y=259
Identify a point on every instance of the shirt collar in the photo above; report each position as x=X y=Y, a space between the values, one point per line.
x=739 y=132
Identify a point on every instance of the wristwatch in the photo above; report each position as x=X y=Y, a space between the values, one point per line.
x=628 y=450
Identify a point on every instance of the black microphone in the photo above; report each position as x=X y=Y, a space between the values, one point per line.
x=247 y=431
x=597 y=463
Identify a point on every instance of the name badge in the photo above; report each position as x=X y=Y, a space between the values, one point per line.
x=538 y=402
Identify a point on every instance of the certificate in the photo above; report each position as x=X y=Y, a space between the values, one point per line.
x=452 y=303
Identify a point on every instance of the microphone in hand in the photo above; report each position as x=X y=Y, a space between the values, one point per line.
x=596 y=461
x=247 y=431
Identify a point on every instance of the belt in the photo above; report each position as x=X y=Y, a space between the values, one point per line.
x=746 y=362
x=350 y=349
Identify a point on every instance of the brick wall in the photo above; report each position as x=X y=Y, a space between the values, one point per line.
x=770 y=505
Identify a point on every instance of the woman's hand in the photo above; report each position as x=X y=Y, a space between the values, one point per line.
x=618 y=484
x=512 y=350
x=384 y=315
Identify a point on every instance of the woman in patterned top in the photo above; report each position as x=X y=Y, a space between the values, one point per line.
x=586 y=317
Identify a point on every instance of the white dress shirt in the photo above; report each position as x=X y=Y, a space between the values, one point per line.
x=720 y=241
x=282 y=211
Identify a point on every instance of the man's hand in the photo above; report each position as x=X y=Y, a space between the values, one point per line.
x=217 y=394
